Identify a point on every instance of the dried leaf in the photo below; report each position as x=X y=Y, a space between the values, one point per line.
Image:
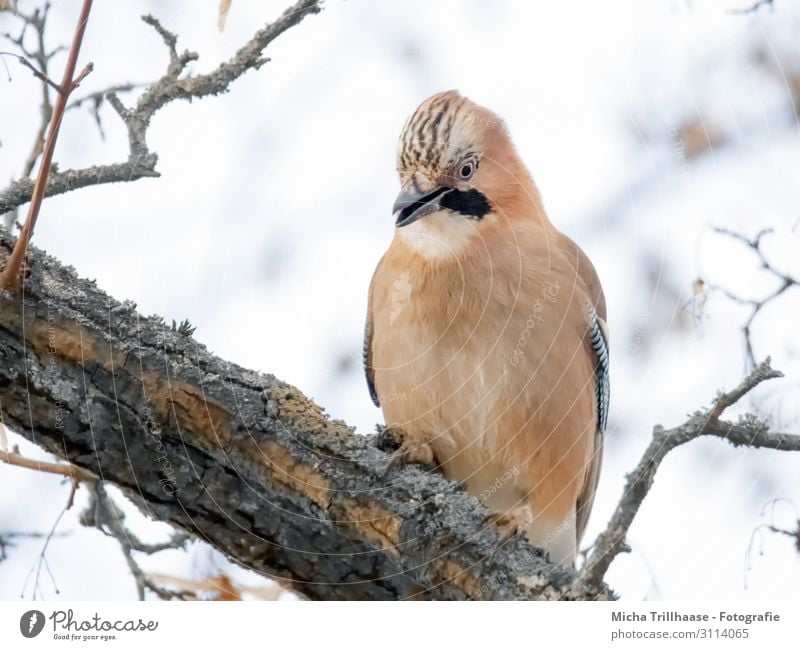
x=224 y=588
x=224 y=8
x=3 y=438
x=697 y=287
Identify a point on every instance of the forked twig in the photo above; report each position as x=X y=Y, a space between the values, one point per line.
x=748 y=431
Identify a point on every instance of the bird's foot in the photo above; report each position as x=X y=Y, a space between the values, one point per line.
x=512 y=524
x=411 y=451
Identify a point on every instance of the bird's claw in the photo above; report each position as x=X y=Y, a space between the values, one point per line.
x=511 y=524
x=420 y=453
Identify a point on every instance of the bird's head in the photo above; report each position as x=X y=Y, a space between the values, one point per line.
x=458 y=169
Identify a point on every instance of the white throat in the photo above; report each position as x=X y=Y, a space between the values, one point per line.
x=439 y=235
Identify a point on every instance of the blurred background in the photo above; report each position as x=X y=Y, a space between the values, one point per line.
x=645 y=124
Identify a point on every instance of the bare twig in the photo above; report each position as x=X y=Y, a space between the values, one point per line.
x=103 y=514
x=6 y=539
x=141 y=162
x=74 y=473
x=41 y=563
x=772 y=527
x=752 y=8
x=762 y=373
x=97 y=98
x=10 y=276
x=793 y=533
x=39 y=74
x=748 y=431
x=37 y=22
x=785 y=282
x=70 y=471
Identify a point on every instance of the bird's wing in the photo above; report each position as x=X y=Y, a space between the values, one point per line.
x=598 y=342
x=585 y=269
x=369 y=371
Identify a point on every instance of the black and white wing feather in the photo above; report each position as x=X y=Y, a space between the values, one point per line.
x=598 y=342
x=598 y=339
x=369 y=371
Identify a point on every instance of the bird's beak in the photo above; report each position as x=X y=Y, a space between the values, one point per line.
x=412 y=204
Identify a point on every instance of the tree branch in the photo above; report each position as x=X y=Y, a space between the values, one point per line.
x=141 y=162
x=243 y=460
x=748 y=431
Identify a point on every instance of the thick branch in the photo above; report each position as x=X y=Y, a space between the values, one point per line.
x=243 y=460
x=141 y=162
x=748 y=431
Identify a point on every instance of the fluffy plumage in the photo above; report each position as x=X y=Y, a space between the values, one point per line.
x=485 y=342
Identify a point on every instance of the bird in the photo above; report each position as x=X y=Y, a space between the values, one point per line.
x=486 y=344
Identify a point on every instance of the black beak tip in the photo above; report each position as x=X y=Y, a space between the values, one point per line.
x=406 y=217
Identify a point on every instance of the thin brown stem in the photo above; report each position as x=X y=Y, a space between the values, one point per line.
x=73 y=472
x=11 y=273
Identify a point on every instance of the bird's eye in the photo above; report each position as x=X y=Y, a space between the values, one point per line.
x=467 y=170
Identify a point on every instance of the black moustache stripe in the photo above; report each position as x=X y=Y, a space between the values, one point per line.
x=472 y=203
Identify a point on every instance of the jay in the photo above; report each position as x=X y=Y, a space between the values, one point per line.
x=485 y=342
